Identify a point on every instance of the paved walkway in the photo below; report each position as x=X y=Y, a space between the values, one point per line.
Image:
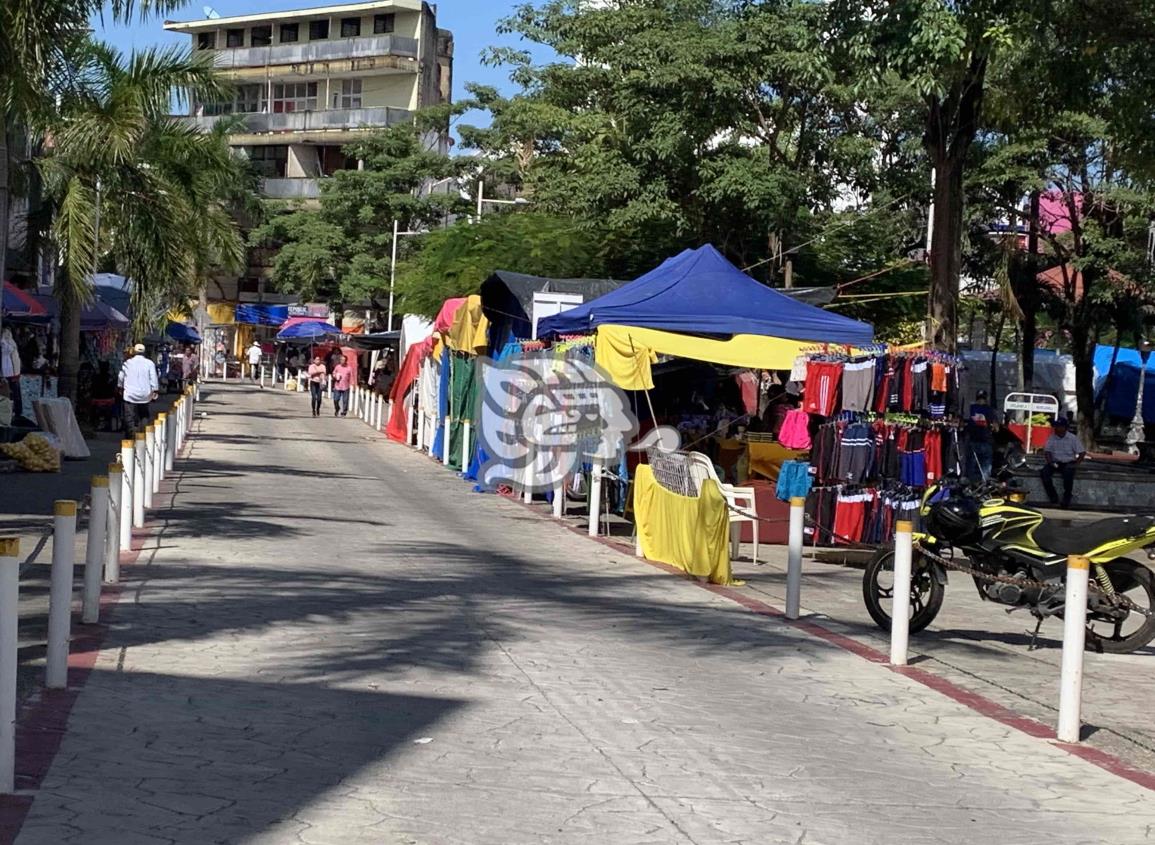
x=330 y=640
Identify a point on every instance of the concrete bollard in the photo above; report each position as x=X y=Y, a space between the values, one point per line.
x=128 y=468
x=149 y=469
x=94 y=549
x=171 y=424
x=595 y=496
x=262 y=376
x=9 y=642
x=465 y=429
x=527 y=484
x=159 y=435
x=138 y=481
x=421 y=432
x=1074 y=642
x=794 y=558
x=900 y=604
x=445 y=445
x=60 y=592
x=559 y=500
x=115 y=522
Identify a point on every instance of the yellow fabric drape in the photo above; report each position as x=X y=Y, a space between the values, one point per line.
x=626 y=352
x=242 y=339
x=691 y=534
x=470 y=329
x=222 y=313
x=766 y=459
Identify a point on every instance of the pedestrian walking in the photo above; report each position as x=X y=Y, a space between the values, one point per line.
x=138 y=384
x=317 y=375
x=1064 y=452
x=343 y=376
x=980 y=438
x=255 y=354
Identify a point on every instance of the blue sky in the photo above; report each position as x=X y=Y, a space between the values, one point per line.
x=473 y=23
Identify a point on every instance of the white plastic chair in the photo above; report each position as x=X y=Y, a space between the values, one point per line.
x=740 y=501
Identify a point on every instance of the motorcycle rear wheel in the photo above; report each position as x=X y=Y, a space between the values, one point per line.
x=1137 y=582
x=926 y=590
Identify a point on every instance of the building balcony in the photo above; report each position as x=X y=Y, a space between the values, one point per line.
x=291 y=189
x=305 y=52
x=308 y=121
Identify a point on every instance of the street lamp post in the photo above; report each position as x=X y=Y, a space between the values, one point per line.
x=482 y=201
x=1137 y=433
x=397 y=233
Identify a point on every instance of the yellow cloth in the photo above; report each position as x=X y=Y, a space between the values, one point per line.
x=766 y=459
x=242 y=340
x=691 y=534
x=222 y=313
x=470 y=329
x=626 y=352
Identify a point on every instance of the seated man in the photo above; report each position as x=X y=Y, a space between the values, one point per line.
x=1064 y=452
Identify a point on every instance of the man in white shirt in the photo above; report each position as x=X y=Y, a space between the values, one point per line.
x=138 y=383
x=254 y=354
x=1064 y=452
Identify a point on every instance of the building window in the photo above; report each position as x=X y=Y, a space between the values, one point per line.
x=349 y=96
x=215 y=109
x=235 y=38
x=294 y=96
x=384 y=23
x=251 y=99
x=350 y=27
x=270 y=161
x=289 y=33
x=261 y=36
x=207 y=41
x=318 y=30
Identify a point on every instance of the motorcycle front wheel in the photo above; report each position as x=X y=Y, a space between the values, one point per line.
x=926 y=590
x=1123 y=636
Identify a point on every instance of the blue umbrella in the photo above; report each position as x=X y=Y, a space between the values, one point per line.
x=308 y=331
x=182 y=333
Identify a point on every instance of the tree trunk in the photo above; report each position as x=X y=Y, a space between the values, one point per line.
x=945 y=252
x=993 y=398
x=1083 y=353
x=1028 y=335
x=69 y=364
x=1028 y=295
x=3 y=200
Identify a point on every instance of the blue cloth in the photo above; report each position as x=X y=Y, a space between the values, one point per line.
x=794 y=479
x=182 y=333
x=700 y=292
x=311 y=329
x=442 y=404
x=1123 y=391
x=262 y=315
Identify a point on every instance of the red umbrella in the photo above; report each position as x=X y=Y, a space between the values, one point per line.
x=19 y=303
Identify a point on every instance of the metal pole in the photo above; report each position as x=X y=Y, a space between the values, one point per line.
x=60 y=592
x=1074 y=642
x=138 y=481
x=393 y=272
x=794 y=558
x=115 y=523
x=128 y=471
x=900 y=605
x=95 y=548
x=9 y=609
x=480 y=197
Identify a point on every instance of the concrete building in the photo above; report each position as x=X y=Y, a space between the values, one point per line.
x=310 y=81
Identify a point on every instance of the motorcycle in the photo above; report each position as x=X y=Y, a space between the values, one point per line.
x=1018 y=558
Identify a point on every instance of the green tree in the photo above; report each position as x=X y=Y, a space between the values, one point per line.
x=135 y=188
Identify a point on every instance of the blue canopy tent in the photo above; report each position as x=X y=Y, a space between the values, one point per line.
x=700 y=292
x=182 y=333
x=308 y=331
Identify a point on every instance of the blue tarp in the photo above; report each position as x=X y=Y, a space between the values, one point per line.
x=304 y=331
x=182 y=333
x=700 y=292
x=262 y=315
x=1124 y=391
x=1103 y=355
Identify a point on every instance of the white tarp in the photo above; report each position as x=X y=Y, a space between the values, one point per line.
x=1054 y=375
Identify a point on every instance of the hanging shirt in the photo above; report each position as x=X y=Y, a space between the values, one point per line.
x=822 y=380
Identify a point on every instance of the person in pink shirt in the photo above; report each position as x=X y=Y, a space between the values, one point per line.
x=317 y=375
x=343 y=376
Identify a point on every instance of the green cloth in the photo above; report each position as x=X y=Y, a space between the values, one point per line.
x=463 y=397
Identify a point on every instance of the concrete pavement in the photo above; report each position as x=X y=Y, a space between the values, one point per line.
x=328 y=639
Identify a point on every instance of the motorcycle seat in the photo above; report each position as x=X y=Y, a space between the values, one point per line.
x=1082 y=538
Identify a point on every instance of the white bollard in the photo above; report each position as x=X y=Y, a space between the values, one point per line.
x=465 y=431
x=60 y=592
x=158 y=447
x=262 y=376
x=329 y=389
x=128 y=468
x=171 y=424
x=595 y=497
x=138 y=481
x=421 y=431
x=149 y=453
x=9 y=642
x=95 y=548
x=900 y=604
x=300 y=380
x=115 y=522
x=529 y=477
x=197 y=391
x=1074 y=642
x=794 y=558
x=445 y=445
x=559 y=500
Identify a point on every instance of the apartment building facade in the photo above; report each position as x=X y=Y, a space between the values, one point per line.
x=309 y=81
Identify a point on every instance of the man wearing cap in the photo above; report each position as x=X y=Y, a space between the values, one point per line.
x=1064 y=452
x=138 y=384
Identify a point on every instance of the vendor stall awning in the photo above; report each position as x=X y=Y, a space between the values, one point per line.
x=182 y=333
x=627 y=352
x=262 y=315
x=308 y=330
x=700 y=292
x=16 y=302
x=95 y=316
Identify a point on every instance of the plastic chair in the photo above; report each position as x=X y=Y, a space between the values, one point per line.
x=740 y=500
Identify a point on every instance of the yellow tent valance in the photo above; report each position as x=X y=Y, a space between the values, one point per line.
x=627 y=352
x=222 y=313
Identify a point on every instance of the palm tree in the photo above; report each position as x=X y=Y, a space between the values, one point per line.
x=135 y=187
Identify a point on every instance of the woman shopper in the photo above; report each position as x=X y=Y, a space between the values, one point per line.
x=317 y=375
